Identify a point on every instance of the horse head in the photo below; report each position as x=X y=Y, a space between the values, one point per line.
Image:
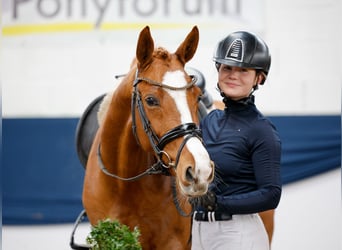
x=165 y=110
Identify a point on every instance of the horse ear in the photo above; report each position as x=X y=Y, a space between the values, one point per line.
x=188 y=47
x=145 y=48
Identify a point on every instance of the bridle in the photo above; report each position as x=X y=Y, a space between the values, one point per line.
x=188 y=130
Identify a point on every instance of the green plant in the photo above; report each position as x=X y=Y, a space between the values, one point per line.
x=112 y=235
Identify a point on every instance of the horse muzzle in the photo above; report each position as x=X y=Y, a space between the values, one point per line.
x=195 y=180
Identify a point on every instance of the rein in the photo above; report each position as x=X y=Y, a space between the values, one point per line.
x=154 y=169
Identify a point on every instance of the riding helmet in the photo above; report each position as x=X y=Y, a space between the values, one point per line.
x=243 y=49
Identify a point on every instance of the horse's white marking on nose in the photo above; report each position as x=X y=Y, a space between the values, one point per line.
x=202 y=160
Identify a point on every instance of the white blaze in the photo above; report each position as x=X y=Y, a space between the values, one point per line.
x=195 y=146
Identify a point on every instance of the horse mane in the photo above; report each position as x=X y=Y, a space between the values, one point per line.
x=104 y=106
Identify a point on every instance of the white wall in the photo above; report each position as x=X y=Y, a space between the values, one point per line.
x=305 y=37
x=59 y=73
x=309 y=214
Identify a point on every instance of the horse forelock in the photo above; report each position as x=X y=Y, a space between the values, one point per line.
x=162 y=53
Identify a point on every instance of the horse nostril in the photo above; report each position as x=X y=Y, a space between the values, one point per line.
x=189 y=175
x=212 y=165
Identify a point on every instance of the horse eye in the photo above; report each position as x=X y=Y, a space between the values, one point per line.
x=152 y=101
x=199 y=98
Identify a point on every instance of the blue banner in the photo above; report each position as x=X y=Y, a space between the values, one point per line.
x=43 y=178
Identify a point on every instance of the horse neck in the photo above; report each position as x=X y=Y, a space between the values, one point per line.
x=123 y=156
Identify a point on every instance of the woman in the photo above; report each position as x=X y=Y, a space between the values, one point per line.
x=245 y=148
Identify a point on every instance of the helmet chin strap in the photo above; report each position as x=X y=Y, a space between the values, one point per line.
x=244 y=100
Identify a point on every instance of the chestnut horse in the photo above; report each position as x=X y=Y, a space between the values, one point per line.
x=147 y=157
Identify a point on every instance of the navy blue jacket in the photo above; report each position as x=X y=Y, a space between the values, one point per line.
x=246 y=149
